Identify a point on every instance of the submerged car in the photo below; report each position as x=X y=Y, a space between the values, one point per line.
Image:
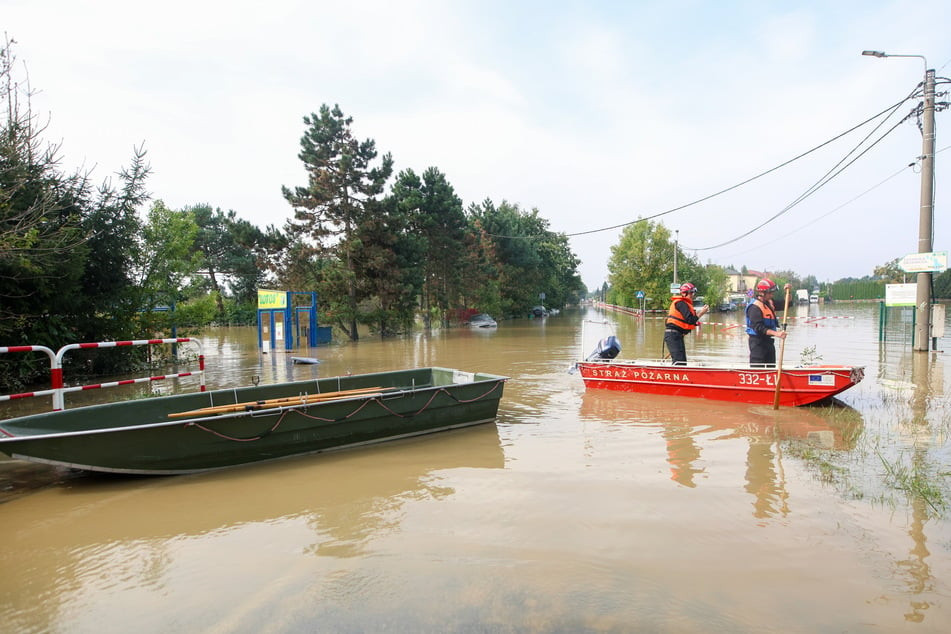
x=482 y=320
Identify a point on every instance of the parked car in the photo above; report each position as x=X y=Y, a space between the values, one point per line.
x=539 y=311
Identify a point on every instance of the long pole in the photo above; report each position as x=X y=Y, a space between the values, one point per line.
x=782 y=349
x=923 y=290
x=676 y=240
x=922 y=326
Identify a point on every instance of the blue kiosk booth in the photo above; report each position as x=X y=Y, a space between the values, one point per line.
x=287 y=319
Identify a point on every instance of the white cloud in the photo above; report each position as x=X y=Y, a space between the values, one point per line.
x=592 y=113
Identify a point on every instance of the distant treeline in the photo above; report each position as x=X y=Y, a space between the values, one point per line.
x=874 y=289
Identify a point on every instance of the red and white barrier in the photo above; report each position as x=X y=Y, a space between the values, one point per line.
x=56 y=367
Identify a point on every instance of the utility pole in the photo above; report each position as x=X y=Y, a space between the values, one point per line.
x=926 y=210
x=926 y=216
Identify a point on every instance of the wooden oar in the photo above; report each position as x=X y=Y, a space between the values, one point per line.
x=278 y=402
x=303 y=399
x=782 y=348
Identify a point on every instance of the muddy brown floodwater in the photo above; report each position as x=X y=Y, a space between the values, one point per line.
x=577 y=511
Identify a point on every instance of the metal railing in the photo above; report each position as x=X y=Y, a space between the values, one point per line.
x=58 y=390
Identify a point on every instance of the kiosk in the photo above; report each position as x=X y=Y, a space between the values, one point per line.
x=286 y=317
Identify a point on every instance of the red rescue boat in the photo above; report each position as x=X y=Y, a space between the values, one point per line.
x=799 y=385
x=742 y=383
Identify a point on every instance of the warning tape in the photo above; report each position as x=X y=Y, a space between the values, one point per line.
x=660 y=314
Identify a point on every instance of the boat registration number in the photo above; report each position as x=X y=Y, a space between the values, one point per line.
x=757 y=379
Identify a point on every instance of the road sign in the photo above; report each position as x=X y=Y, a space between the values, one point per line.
x=640 y=295
x=936 y=261
x=675 y=289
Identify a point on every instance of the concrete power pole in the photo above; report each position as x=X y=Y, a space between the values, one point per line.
x=926 y=211
x=923 y=292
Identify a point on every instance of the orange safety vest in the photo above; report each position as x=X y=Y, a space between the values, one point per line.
x=769 y=316
x=674 y=318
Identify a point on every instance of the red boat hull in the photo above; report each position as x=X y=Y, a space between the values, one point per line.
x=798 y=386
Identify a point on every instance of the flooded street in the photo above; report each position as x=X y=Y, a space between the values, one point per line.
x=577 y=511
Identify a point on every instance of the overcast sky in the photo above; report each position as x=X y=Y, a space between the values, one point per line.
x=595 y=113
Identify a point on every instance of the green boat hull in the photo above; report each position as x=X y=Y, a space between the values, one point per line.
x=139 y=437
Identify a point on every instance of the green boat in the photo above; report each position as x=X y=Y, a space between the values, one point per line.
x=201 y=431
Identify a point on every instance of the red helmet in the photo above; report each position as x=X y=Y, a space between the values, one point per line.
x=687 y=289
x=766 y=285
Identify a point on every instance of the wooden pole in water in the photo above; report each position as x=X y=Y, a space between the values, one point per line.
x=782 y=349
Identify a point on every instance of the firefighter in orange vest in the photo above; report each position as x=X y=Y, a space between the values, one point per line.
x=762 y=324
x=681 y=319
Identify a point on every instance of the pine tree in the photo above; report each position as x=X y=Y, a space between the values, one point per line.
x=332 y=206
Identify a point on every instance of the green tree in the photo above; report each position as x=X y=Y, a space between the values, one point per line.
x=528 y=259
x=297 y=266
x=480 y=288
x=167 y=258
x=642 y=260
x=216 y=245
x=389 y=267
x=332 y=206
x=437 y=218
x=715 y=285
x=42 y=240
x=232 y=252
x=517 y=261
x=561 y=270
x=65 y=246
x=112 y=296
x=890 y=272
x=942 y=285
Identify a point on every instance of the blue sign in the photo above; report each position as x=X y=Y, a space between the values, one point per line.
x=640 y=294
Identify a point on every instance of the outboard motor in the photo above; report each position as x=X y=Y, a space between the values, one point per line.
x=607 y=348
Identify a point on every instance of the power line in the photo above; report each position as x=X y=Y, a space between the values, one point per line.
x=830 y=212
x=888 y=110
x=814 y=221
x=831 y=174
x=822 y=182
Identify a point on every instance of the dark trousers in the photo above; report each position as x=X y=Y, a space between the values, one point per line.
x=675 y=345
x=762 y=350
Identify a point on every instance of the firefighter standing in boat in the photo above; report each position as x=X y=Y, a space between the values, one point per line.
x=762 y=324
x=681 y=319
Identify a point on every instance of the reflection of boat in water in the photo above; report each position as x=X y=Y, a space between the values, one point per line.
x=350 y=482
x=18 y=477
x=834 y=426
x=688 y=427
x=163 y=535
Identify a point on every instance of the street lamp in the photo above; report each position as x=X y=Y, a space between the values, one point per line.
x=926 y=213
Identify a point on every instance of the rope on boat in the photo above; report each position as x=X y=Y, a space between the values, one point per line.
x=227 y=437
x=376 y=399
